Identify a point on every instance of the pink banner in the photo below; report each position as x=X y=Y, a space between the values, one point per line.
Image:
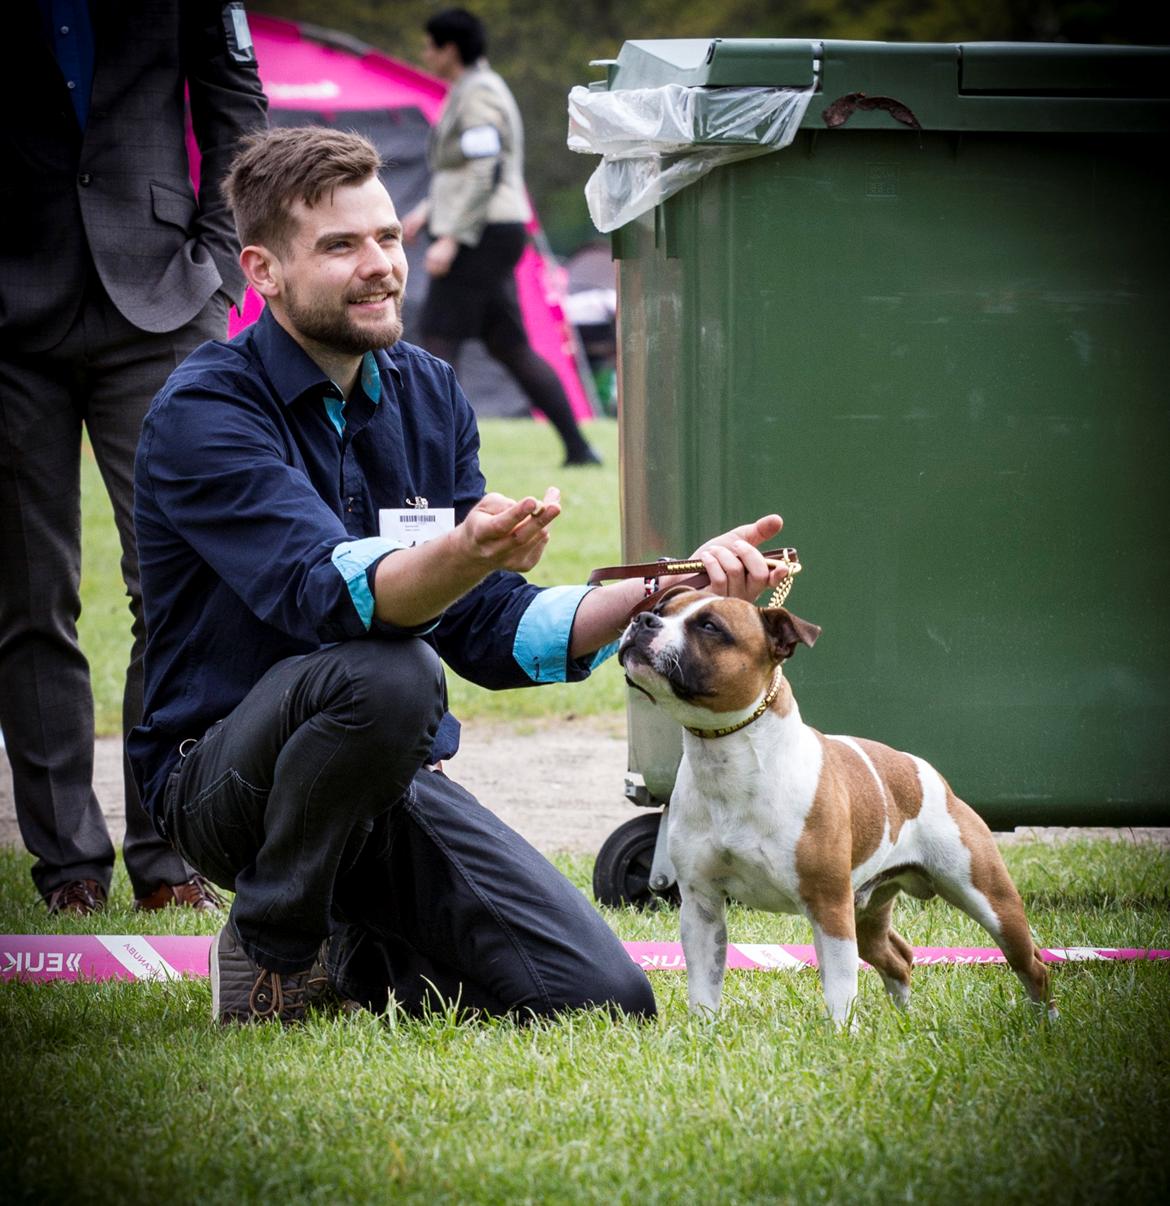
x=668 y=956
x=135 y=957
x=101 y=957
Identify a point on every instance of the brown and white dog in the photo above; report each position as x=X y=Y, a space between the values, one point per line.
x=778 y=816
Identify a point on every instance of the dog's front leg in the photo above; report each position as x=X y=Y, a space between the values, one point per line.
x=704 y=941
x=836 y=948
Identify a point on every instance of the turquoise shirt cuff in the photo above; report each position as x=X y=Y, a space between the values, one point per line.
x=541 y=645
x=351 y=559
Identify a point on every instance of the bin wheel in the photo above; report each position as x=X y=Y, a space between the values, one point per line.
x=621 y=874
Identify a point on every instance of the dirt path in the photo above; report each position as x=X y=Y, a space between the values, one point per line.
x=558 y=782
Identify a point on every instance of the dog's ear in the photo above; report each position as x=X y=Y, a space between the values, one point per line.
x=670 y=592
x=786 y=631
x=653 y=601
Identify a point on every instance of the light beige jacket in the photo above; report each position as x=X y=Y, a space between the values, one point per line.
x=476 y=157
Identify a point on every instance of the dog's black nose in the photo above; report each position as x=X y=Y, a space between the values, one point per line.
x=647 y=619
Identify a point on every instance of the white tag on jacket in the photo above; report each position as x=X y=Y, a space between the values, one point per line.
x=480 y=142
x=415 y=525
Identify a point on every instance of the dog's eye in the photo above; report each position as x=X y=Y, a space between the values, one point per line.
x=711 y=627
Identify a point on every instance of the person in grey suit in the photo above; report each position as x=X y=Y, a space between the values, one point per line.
x=112 y=270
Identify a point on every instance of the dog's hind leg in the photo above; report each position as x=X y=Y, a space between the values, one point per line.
x=996 y=905
x=987 y=894
x=703 y=923
x=883 y=947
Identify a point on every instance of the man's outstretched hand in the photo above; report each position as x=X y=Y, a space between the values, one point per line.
x=415 y=585
x=499 y=533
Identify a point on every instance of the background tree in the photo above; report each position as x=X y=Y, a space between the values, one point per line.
x=543 y=49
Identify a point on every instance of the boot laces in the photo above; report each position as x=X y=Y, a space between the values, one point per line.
x=277 y=996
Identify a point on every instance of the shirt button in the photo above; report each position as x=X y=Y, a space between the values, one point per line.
x=70 y=84
x=85 y=179
x=64 y=29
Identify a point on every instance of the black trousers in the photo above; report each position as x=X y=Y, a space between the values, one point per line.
x=310 y=801
x=103 y=375
x=477 y=299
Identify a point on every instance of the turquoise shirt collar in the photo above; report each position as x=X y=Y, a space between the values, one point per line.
x=369 y=382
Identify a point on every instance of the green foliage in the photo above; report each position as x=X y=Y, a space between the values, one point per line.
x=542 y=50
x=125 y=1093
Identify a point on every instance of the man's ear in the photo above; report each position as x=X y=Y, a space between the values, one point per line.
x=786 y=631
x=262 y=269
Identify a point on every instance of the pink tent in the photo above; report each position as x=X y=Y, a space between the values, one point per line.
x=315 y=76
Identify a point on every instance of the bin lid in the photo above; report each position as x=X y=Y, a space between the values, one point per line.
x=1010 y=86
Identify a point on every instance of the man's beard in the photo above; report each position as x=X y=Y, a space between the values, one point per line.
x=332 y=328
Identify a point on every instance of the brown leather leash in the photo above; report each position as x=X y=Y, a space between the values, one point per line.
x=651 y=571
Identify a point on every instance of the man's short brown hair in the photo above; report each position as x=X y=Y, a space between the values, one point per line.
x=275 y=168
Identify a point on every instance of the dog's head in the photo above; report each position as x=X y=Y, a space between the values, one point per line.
x=706 y=658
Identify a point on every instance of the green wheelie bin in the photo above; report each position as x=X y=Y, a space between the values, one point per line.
x=933 y=332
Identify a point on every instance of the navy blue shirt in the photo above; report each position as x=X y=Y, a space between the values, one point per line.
x=257 y=491
x=70 y=33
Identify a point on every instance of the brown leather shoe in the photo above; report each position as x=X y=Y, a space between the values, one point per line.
x=195 y=893
x=80 y=896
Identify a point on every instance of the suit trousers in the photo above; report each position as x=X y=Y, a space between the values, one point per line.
x=102 y=376
x=310 y=801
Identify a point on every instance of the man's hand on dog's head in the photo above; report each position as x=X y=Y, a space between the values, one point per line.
x=734 y=563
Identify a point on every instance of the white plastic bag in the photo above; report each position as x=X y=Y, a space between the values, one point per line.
x=656 y=141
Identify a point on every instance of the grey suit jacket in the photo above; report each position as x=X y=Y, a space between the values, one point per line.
x=119 y=193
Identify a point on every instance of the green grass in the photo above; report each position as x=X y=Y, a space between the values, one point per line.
x=127 y=1094
x=104 y=625
x=518 y=458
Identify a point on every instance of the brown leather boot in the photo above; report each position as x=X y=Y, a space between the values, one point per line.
x=80 y=896
x=195 y=893
x=242 y=991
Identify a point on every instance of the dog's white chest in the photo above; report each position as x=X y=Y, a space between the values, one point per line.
x=737 y=812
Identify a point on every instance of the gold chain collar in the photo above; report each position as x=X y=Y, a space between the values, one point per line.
x=765 y=704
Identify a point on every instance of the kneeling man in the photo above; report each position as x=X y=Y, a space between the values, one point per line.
x=295 y=716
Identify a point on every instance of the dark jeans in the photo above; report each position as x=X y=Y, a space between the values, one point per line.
x=102 y=375
x=309 y=801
